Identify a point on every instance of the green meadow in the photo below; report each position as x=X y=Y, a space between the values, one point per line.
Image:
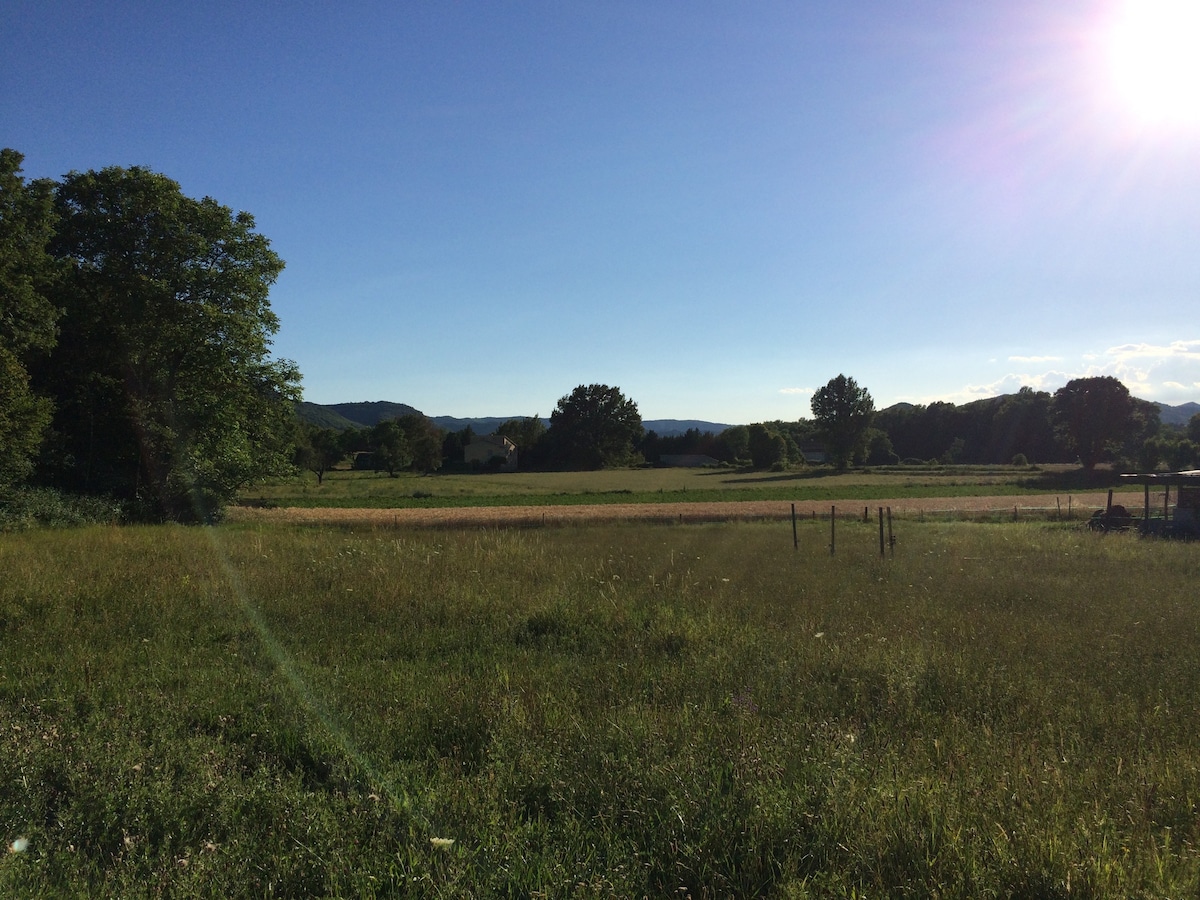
x=345 y=488
x=601 y=711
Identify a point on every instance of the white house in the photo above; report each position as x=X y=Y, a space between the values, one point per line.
x=483 y=449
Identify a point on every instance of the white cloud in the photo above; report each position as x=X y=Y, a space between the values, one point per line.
x=1165 y=373
x=1176 y=349
x=795 y=390
x=1006 y=384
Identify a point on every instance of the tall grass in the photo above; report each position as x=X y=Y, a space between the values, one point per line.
x=1000 y=710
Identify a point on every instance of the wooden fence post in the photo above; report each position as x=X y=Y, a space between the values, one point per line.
x=832 y=530
x=795 y=536
x=881 y=551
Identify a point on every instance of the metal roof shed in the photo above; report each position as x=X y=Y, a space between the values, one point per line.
x=1186 y=520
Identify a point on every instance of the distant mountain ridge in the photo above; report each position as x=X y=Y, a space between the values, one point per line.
x=673 y=427
x=368 y=414
x=351 y=415
x=1177 y=415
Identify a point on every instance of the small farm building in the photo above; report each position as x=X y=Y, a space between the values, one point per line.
x=814 y=454
x=482 y=450
x=1183 y=520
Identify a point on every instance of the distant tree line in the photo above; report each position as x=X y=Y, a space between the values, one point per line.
x=1089 y=421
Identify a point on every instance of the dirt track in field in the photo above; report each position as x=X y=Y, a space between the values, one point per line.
x=1080 y=506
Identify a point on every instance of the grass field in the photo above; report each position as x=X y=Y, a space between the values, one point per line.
x=617 y=710
x=343 y=488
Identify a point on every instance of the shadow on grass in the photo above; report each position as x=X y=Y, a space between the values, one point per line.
x=750 y=476
x=1035 y=480
x=1073 y=479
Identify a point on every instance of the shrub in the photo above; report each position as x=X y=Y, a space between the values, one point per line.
x=26 y=507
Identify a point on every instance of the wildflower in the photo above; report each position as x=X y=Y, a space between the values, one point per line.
x=443 y=843
x=20 y=845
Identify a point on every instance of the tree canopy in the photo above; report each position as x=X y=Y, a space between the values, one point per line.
x=765 y=446
x=318 y=449
x=390 y=447
x=1093 y=416
x=164 y=390
x=27 y=317
x=843 y=412
x=424 y=440
x=595 y=426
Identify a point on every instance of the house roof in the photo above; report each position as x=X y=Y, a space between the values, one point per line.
x=494 y=440
x=1190 y=477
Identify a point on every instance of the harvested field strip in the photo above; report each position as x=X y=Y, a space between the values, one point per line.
x=1079 y=506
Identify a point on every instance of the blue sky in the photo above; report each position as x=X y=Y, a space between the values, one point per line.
x=716 y=206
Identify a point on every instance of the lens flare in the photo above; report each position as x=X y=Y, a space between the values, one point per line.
x=1153 y=57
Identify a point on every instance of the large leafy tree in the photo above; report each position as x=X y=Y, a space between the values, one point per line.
x=843 y=412
x=1094 y=415
x=424 y=442
x=595 y=426
x=1023 y=425
x=27 y=317
x=766 y=446
x=318 y=449
x=733 y=443
x=164 y=386
x=390 y=447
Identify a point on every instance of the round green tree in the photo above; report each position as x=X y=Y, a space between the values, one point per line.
x=595 y=426
x=1094 y=415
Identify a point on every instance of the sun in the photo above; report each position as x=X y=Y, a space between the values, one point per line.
x=1153 y=58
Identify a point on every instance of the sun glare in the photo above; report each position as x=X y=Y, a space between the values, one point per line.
x=1153 y=49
